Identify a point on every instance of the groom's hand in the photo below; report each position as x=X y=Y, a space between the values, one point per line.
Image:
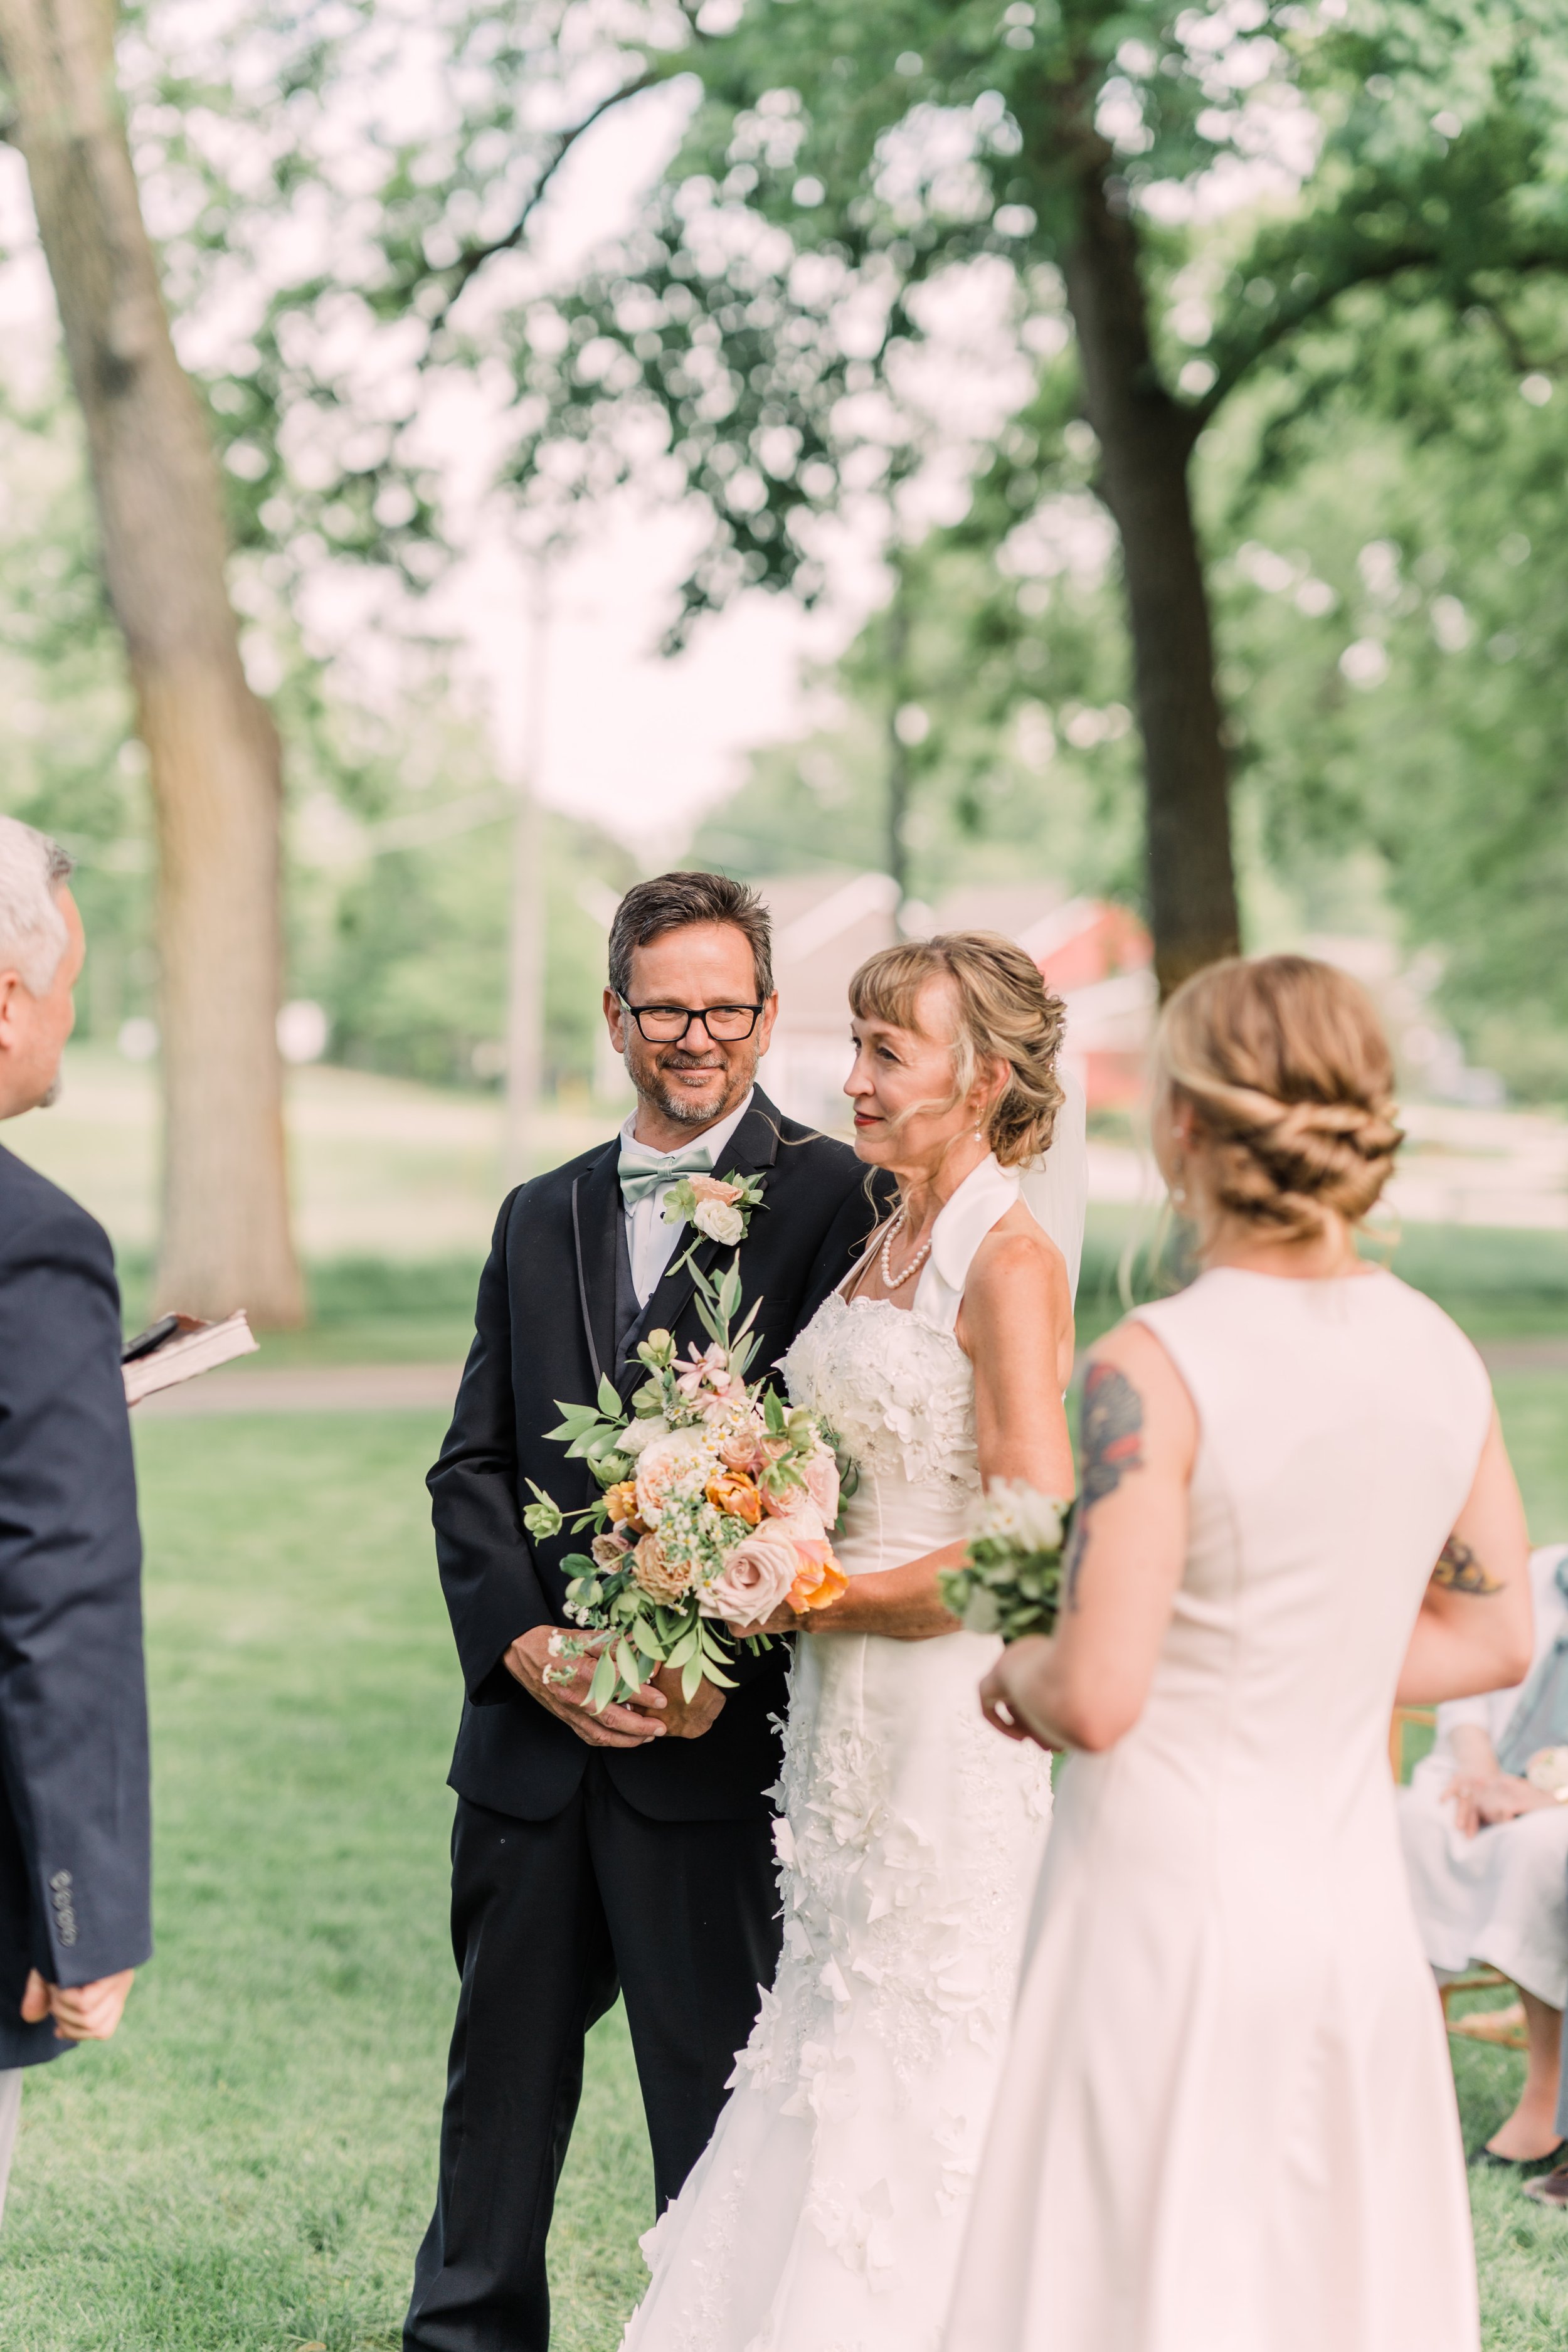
x=630 y=1725
x=683 y=1721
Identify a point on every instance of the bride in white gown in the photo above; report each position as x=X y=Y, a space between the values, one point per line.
x=827 y=2212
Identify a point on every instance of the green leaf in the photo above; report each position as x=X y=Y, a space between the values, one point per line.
x=602 y=1689
x=609 y=1398
x=691 y=1675
x=628 y=1667
x=578 y=1563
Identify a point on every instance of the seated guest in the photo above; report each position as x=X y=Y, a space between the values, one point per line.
x=1487 y=1849
x=74 y=1858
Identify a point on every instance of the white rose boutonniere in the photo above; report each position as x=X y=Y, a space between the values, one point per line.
x=719 y=1207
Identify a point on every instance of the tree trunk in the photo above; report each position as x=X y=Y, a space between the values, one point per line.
x=212 y=745
x=1146 y=441
x=898 y=810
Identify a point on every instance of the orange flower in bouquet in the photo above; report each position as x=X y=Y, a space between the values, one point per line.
x=736 y=1494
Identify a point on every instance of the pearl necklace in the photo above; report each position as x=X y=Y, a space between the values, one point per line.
x=891 y=1281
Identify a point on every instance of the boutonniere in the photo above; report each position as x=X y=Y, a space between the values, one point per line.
x=720 y=1207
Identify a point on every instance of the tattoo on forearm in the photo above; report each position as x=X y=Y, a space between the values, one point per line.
x=1458 y=1570
x=1111 y=1439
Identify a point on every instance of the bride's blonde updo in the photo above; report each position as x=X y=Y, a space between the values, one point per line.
x=1287 y=1070
x=1003 y=1011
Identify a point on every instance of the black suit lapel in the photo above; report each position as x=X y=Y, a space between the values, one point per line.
x=596 y=1233
x=753 y=1149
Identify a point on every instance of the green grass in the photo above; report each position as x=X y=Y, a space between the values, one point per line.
x=362 y=1311
x=250 y=2165
x=1500 y=1284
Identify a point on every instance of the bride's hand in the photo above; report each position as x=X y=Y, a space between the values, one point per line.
x=782 y=1620
x=997 y=1703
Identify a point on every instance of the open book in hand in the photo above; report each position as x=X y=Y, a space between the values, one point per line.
x=178 y=1347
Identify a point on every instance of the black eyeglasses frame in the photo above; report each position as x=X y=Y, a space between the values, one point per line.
x=693 y=1012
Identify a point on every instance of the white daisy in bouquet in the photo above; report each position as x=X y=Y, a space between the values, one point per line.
x=716 y=1508
x=1010 y=1581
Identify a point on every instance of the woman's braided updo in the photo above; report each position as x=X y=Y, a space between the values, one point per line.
x=1003 y=1011
x=1287 y=1070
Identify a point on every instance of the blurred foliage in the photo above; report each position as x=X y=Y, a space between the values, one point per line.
x=1014 y=737
x=398 y=828
x=343 y=199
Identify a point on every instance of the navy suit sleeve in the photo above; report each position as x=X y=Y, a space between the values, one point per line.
x=488 y=1573
x=73 y=1703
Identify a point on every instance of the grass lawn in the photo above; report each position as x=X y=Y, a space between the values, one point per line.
x=250 y=2165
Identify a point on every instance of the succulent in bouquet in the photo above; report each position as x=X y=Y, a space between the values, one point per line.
x=1010 y=1581
x=716 y=1506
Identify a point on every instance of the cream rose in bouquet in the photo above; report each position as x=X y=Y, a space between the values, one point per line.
x=1010 y=1582
x=715 y=1509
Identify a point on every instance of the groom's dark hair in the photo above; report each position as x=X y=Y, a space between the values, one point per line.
x=670 y=902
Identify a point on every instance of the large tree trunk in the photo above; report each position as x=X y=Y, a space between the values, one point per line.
x=1146 y=441
x=212 y=745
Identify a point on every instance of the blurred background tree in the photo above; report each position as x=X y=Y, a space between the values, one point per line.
x=211 y=748
x=846 y=167
x=1344 y=234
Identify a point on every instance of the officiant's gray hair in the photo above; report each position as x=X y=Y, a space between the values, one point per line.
x=32 y=927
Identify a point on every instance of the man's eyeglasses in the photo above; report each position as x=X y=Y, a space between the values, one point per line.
x=667 y=1024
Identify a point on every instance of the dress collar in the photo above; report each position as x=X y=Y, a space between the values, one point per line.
x=983 y=1198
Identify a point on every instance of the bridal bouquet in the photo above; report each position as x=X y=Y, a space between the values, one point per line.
x=715 y=1506
x=1010 y=1582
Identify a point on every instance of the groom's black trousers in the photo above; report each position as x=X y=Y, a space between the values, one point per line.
x=549 y=1919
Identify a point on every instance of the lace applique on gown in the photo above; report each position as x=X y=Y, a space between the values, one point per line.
x=827 y=2214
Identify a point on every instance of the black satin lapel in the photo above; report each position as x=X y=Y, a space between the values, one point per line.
x=595 y=1215
x=755 y=1142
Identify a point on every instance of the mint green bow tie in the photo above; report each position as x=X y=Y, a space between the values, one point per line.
x=643 y=1171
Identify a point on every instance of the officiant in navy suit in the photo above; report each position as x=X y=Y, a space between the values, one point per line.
x=73 y=1834
x=629 y=1851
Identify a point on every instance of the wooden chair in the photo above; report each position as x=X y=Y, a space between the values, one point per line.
x=1504 y=2026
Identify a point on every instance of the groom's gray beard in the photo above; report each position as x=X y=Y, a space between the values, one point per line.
x=680 y=1107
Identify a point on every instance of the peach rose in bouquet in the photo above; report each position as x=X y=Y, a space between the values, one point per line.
x=661 y=1466
x=755 y=1580
x=661 y=1578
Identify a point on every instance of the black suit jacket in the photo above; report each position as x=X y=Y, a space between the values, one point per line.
x=544 y=1331
x=75 y=1841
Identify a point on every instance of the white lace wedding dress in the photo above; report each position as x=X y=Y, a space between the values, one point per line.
x=827 y=2214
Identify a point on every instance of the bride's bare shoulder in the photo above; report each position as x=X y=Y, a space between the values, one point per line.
x=1016 y=1241
x=1018 y=1268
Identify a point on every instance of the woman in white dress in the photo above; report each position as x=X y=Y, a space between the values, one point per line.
x=1486 y=1850
x=826 y=2214
x=1227 y=2121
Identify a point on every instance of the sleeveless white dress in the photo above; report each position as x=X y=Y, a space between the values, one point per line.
x=827 y=2211
x=1228 y=2119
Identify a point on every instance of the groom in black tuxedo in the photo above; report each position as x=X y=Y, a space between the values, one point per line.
x=629 y=1851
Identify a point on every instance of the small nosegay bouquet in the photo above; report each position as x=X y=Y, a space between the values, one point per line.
x=715 y=1509
x=1010 y=1582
